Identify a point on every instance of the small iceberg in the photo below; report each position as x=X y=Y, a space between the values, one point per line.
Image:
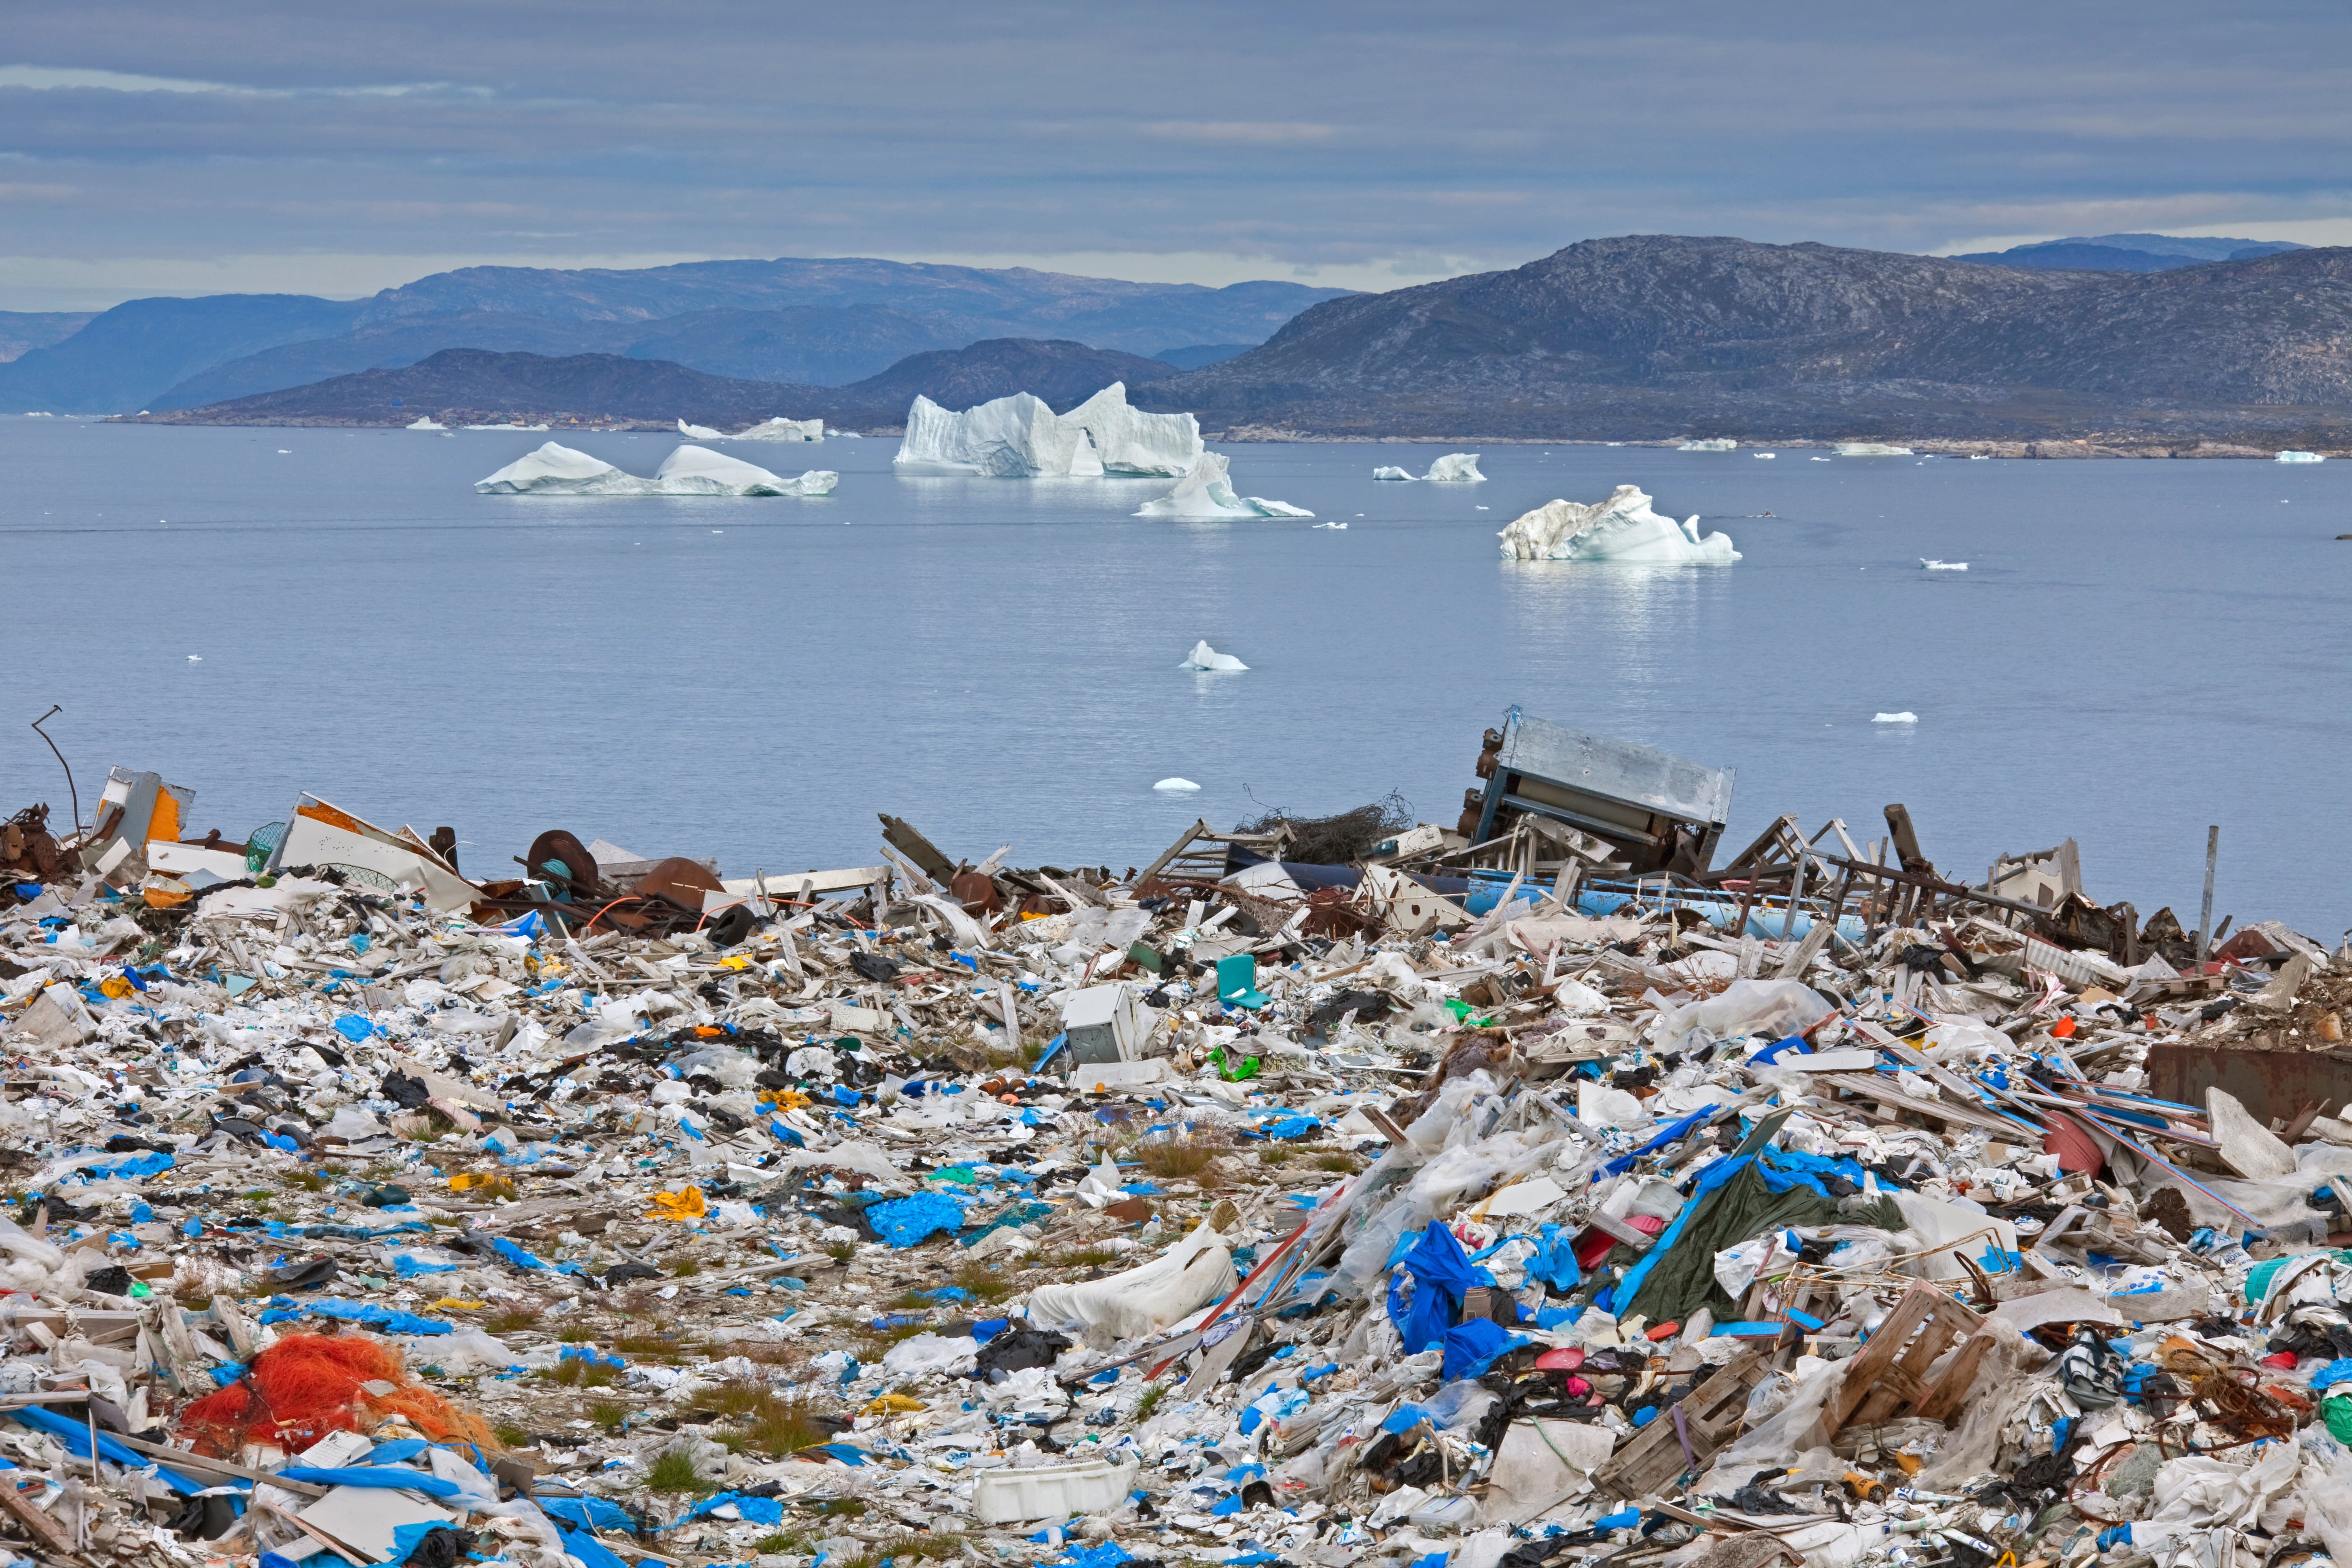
x=1392 y=473
x=555 y=469
x=1943 y=565
x=1205 y=493
x=1343 y=526
x=780 y=429
x=1821 y=459
x=1872 y=449
x=1768 y=457
x=424 y=421
x=1204 y=656
x=1622 y=528
x=1905 y=718
x=1712 y=444
x=1177 y=786
x=2301 y=457
x=699 y=432
x=1456 y=468
x=1979 y=456
x=1019 y=438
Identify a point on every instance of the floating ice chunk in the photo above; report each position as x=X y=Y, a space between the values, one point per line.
x=1872 y=449
x=422 y=422
x=1622 y=528
x=1456 y=468
x=1943 y=565
x=1204 y=656
x=697 y=432
x=1343 y=526
x=1905 y=718
x=699 y=471
x=782 y=430
x=1390 y=471
x=1177 y=786
x=1014 y=438
x=510 y=425
x=1821 y=459
x=1768 y=457
x=1979 y=456
x=1713 y=444
x=1204 y=493
x=556 y=470
x=1130 y=441
x=2301 y=457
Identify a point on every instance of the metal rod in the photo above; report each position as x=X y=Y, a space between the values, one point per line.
x=2205 y=916
x=1796 y=891
x=76 y=794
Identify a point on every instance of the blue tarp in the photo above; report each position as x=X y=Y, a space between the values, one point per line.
x=1554 y=1261
x=1441 y=1274
x=384 y=1480
x=366 y=1314
x=1474 y=1346
x=75 y=1435
x=903 y=1222
x=588 y=1512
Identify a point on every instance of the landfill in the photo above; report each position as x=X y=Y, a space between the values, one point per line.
x=1540 y=1188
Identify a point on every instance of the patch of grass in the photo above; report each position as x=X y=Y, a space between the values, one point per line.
x=573 y=1334
x=842 y=1508
x=768 y=1544
x=579 y=1373
x=871 y=1344
x=656 y=1345
x=1347 y=1164
x=982 y=1281
x=1086 y=1257
x=512 y=1436
x=1173 y=1158
x=840 y=1251
x=767 y=1352
x=911 y=1301
x=675 y=1472
x=511 y=1320
x=904 y=1549
x=685 y=1270
x=764 y=1421
x=1149 y=1401
x=1276 y=1154
x=305 y=1179
x=609 y=1414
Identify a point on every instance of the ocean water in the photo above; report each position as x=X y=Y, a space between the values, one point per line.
x=2137 y=650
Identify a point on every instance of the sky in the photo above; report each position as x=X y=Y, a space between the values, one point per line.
x=332 y=148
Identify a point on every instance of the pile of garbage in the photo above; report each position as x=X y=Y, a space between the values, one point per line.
x=1485 y=1204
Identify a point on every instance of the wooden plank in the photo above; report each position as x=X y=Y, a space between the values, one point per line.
x=34 y=1518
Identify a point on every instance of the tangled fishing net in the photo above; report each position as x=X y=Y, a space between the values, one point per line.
x=1336 y=840
x=306 y=1385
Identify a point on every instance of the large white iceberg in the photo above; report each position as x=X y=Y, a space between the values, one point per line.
x=1204 y=656
x=782 y=430
x=424 y=422
x=1871 y=449
x=1019 y=438
x=1712 y=444
x=2283 y=457
x=1389 y=472
x=1622 y=528
x=699 y=432
x=556 y=470
x=1204 y=493
x=1456 y=468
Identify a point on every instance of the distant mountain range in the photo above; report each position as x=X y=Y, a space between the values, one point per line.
x=1654 y=336
x=2128 y=253
x=458 y=386
x=819 y=322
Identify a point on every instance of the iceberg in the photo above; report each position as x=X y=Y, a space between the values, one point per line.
x=1714 y=444
x=1204 y=493
x=699 y=432
x=1872 y=449
x=1019 y=438
x=1204 y=656
x=1130 y=441
x=780 y=429
x=1390 y=473
x=1905 y=717
x=699 y=471
x=1943 y=565
x=556 y=470
x=424 y=422
x=1456 y=468
x=1176 y=786
x=1622 y=528
x=2301 y=457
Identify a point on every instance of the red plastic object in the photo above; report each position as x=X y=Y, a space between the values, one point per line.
x=2283 y=1361
x=1663 y=1332
x=306 y=1385
x=1566 y=1359
x=2077 y=1150
x=2063 y=1030
x=1594 y=1246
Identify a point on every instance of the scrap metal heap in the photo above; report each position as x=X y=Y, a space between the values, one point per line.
x=1494 y=1197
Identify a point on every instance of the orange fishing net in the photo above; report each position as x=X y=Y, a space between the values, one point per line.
x=306 y=1385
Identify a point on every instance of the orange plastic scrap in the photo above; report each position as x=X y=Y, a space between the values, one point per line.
x=683 y=1205
x=306 y=1385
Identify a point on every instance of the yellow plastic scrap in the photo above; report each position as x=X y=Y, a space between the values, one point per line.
x=894 y=1404
x=466 y=1181
x=735 y=961
x=683 y=1205
x=115 y=987
x=785 y=1099
x=451 y=1304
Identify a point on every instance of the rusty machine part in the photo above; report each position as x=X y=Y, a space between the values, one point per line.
x=27 y=845
x=680 y=881
x=557 y=845
x=976 y=893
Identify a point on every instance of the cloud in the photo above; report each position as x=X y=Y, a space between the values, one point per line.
x=1250 y=132
x=67 y=78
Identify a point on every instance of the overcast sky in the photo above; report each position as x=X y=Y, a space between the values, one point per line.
x=153 y=148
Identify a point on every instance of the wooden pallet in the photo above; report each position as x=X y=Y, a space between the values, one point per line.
x=1654 y=1460
x=1883 y=1379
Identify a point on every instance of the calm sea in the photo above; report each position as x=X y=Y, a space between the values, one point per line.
x=2137 y=649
